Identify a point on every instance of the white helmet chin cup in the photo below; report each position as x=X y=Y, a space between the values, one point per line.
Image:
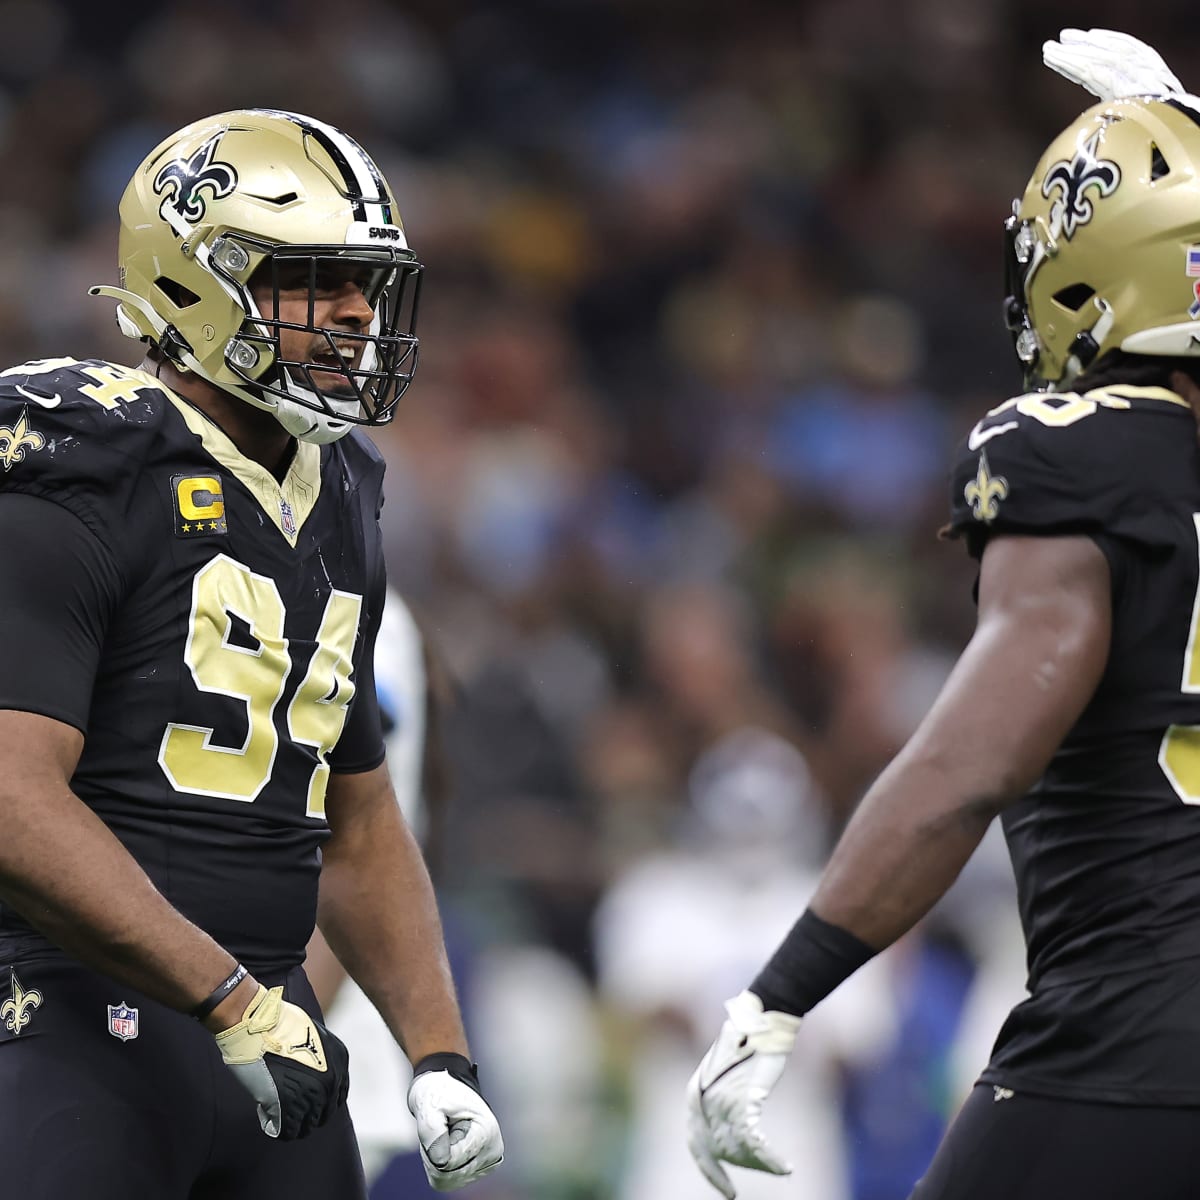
x=307 y=424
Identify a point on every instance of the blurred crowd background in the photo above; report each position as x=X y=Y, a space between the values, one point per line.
x=711 y=292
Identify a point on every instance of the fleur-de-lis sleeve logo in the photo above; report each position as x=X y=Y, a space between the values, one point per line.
x=16 y=1011
x=1086 y=171
x=985 y=491
x=183 y=181
x=15 y=441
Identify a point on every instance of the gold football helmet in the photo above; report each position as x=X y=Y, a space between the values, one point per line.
x=264 y=201
x=1103 y=248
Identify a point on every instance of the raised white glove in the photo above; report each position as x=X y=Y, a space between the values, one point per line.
x=726 y=1094
x=1110 y=64
x=458 y=1133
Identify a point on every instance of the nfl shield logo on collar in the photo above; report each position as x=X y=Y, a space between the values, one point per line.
x=287 y=518
x=122 y=1021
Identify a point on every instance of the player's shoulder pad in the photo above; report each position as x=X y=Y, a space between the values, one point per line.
x=1060 y=463
x=362 y=465
x=361 y=451
x=78 y=432
x=84 y=399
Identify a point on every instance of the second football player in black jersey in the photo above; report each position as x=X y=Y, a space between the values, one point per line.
x=1105 y=844
x=1073 y=713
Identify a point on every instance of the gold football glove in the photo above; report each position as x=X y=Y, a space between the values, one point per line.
x=293 y=1067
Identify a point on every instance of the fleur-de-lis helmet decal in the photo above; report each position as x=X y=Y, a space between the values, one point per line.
x=1073 y=179
x=183 y=181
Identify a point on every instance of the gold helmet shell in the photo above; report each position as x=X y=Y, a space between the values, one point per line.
x=1103 y=247
x=237 y=196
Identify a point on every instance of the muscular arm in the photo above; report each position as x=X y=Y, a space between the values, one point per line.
x=325 y=973
x=378 y=914
x=66 y=873
x=60 y=867
x=1038 y=652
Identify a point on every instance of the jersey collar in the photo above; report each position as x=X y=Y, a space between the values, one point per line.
x=287 y=504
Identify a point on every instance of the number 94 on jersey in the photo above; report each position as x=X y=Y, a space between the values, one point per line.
x=254 y=672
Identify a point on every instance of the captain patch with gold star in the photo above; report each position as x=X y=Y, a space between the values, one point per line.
x=199 y=505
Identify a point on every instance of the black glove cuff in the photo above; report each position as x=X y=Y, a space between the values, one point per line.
x=456 y=1065
x=812 y=960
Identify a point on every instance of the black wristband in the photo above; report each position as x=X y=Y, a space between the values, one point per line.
x=219 y=993
x=456 y=1065
x=810 y=962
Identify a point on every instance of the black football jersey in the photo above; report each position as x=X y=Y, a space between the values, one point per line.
x=1106 y=848
x=232 y=618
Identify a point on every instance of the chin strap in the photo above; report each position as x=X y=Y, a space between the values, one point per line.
x=1086 y=345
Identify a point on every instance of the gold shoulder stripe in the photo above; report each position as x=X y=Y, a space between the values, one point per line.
x=1121 y=391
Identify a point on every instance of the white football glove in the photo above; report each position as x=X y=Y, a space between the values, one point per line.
x=1110 y=64
x=458 y=1133
x=727 y=1092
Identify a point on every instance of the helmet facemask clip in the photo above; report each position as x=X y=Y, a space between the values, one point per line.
x=1019 y=259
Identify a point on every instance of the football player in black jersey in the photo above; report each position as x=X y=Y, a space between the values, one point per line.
x=1073 y=713
x=189 y=735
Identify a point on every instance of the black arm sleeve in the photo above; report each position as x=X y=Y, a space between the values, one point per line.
x=59 y=587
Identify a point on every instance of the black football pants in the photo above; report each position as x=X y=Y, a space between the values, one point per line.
x=88 y=1115
x=1005 y=1147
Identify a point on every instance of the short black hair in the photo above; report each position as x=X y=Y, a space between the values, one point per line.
x=1135 y=370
